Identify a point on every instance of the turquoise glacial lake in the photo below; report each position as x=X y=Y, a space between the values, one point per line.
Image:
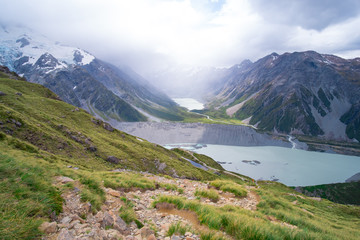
x=292 y=167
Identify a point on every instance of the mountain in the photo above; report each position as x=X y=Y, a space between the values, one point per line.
x=67 y=175
x=295 y=93
x=81 y=79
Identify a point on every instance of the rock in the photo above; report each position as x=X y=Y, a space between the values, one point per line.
x=48 y=228
x=114 y=193
x=65 y=235
x=167 y=238
x=96 y=121
x=175 y=237
x=113 y=234
x=165 y=226
x=91 y=148
x=151 y=237
x=107 y=220
x=64 y=180
x=19 y=93
x=129 y=237
x=108 y=127
x=73 y=223
x=188 y=234
x=66 y=220
x=189 y=238
x=121 y=226
x=146 y=232
x=2 y=93
x=113 y=159
x=354 y=178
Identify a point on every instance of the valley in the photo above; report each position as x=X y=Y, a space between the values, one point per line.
x=89 y=150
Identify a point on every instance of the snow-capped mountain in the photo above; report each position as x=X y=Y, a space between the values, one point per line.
x=81 y=79
x=22 y=46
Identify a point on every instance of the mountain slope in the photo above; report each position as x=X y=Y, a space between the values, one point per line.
x=71 y=72
x=297 y=93
x=36 y=119
x=67 y=175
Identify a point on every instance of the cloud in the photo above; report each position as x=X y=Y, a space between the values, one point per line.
x=149 y=35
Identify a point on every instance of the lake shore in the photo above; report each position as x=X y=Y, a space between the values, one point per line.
x=174 y=132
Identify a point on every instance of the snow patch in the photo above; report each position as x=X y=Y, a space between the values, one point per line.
x=38 y=45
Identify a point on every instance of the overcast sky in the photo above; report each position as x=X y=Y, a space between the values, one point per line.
x=151 y=34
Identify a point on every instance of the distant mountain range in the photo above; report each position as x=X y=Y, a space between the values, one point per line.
x=81 y=79
x=295 y=93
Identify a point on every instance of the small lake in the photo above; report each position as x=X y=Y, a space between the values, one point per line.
x=189 y=103
x=292 y=167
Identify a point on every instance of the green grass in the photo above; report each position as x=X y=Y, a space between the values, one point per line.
x=171 y=187
x=26 y=198
x=329 y=220
x=128 y=214
x=178 y=229
x=229 y=186
x=127 y=181
x=68 y=134
x=211 y=194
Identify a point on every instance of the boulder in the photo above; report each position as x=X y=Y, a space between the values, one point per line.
x=114 y=193
x=108 y=127
x=107 y=220
x=65 y=235
x=113 y=159
x=48 y=228
x=63 y=179
x=2 y=93
x=121 y=226
x=151 y=237
x=146 y=232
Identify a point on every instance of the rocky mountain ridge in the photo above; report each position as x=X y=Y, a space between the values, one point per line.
x=295 y=93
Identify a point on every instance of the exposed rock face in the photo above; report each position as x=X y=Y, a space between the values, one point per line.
x=302 y=92
x=354 y=178
x=165 y=133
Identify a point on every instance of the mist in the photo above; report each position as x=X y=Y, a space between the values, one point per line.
x=154 y=36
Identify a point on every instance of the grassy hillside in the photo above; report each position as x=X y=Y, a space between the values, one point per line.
x=345 y=193
x=36 y=121
x=43 y=138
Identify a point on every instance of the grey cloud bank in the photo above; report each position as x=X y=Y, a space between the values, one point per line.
x=152 y=35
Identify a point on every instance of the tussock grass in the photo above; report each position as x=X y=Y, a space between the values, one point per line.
x=127 y=181
x=26 y=197
x=229 y=186
x=171 y=187
x=178 y=229
x=128 y=214
x=211 y=194
x=244 y=224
